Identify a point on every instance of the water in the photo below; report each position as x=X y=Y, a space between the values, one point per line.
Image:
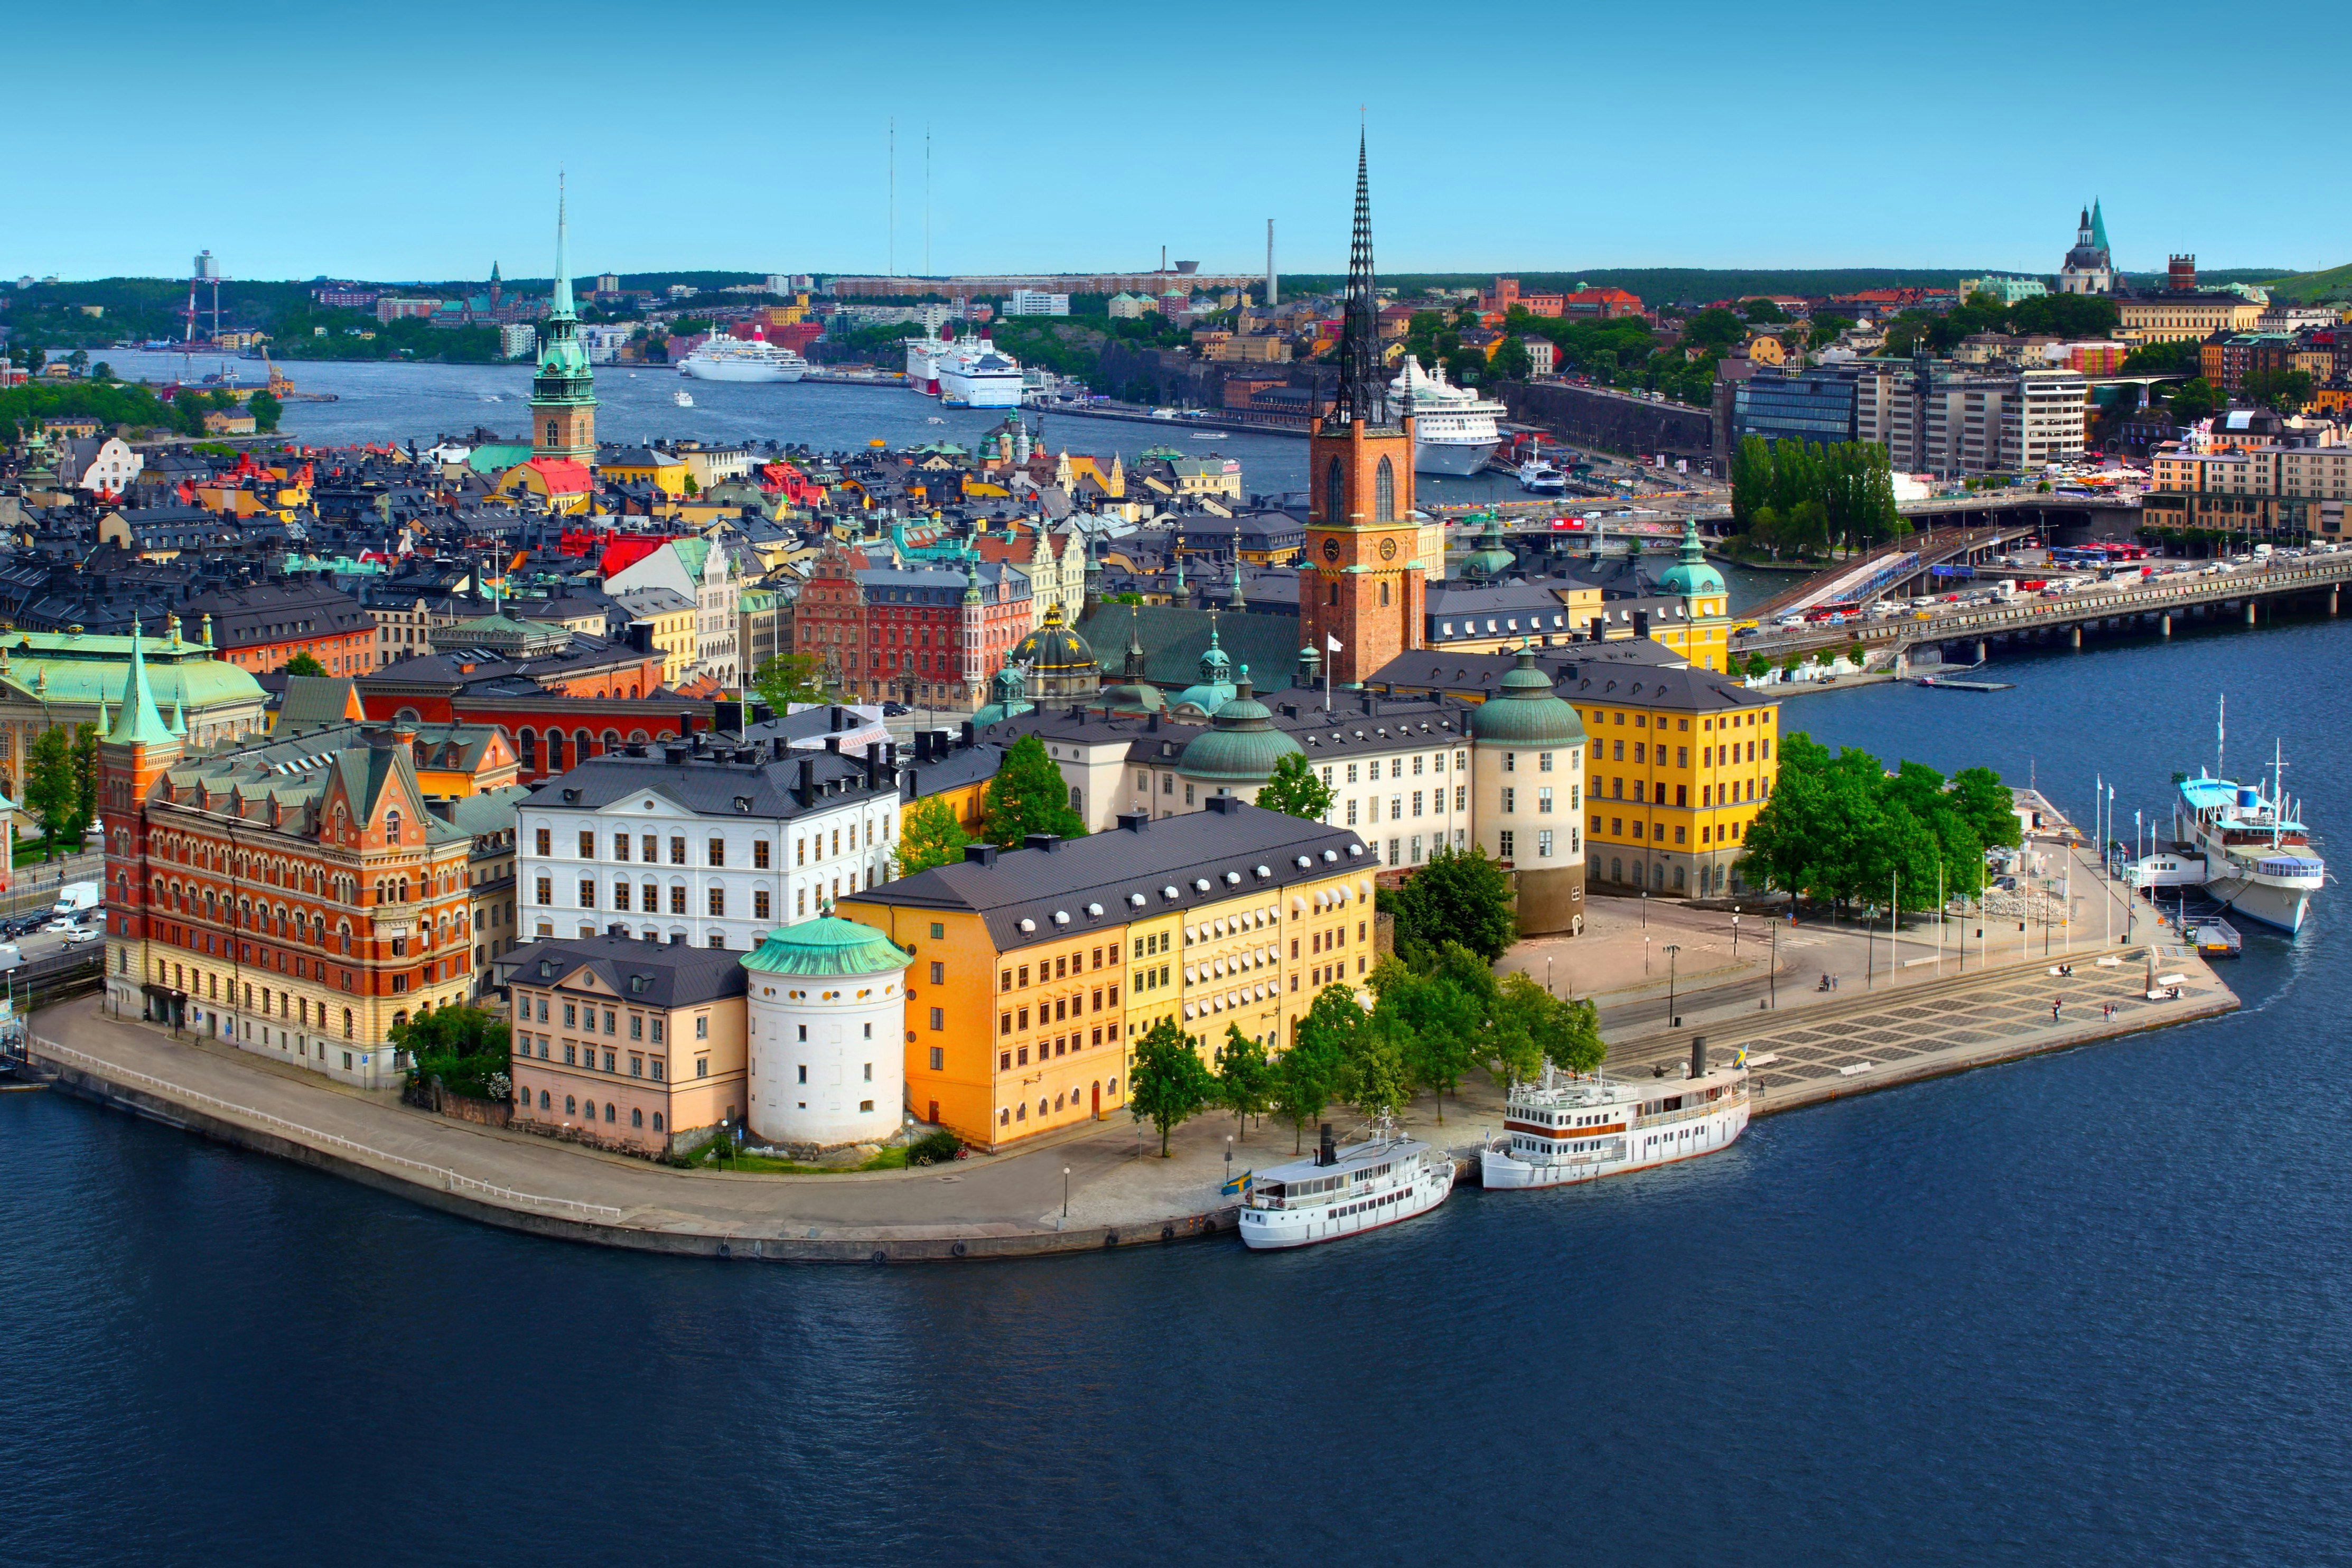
x=2084 y=1308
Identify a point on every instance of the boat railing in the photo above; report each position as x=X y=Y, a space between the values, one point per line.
x=1729 y=1098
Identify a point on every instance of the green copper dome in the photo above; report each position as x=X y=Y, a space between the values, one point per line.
x=1493 y=557
x=1008 y=697
x=1526 y=713
x=827 y=946
x=1241 y=745
x=1691 y=575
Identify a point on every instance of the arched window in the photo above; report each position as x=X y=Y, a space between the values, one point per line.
x=1335 y=494
x=347 y=1023
x=1384 y=492
x=609 y=1108
x=571 y=1106
x=555 y=750
x=636 y=1119
x=391 y=827
x=580 y=753
x=553 y=438
x=657 y=1121
x=542 y=1099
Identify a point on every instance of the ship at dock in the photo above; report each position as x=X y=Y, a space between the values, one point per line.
x=2244 y=843
x=1453 y=429
x=1338 y=1192
x=724 y=357
x=1571 y=1127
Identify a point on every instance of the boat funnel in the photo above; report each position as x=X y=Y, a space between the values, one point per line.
x=2249 y=797
x=1327 y=1151
x=1699 y=1055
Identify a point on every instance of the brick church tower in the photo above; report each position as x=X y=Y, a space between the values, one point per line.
x=563 y=393
x=132 y=758
x=1363 y=584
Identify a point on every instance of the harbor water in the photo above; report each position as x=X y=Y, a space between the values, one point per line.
x=2081 y=1308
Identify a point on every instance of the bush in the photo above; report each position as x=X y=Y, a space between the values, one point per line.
x=937 y=1149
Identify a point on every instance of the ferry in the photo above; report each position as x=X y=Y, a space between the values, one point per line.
x=1453 y=429
x=2250 y=848
x=1344 y=1192
x=1538 y=478
x=1568 y=1127
x=923 y=356
x=975 y=374
x=725 y=357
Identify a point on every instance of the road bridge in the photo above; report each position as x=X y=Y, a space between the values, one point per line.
x=2158 y=604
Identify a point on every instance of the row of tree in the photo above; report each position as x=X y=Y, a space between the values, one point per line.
x=1426 y=1031
x=1799 y=498
x=1842 y=828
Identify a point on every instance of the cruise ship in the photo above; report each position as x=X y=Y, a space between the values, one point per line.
x=724 y=357
x=976 y=373
x=1565 y=1127
x=1344 y=1192
x=2255 y=853
x=923 y=356
x=1453 y=427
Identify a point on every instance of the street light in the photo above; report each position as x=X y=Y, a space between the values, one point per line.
x=1734 y=936
x=1229 y=1159
x=1674 y=1021
x=1066 y=1192
x=1547 y=991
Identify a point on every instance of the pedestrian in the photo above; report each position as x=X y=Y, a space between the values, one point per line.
x=2110 y=1011
x=2054 y=1008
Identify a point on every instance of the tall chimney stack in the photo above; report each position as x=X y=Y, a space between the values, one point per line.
x=1270 y=285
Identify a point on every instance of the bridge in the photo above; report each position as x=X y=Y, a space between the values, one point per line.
x=2127 y=605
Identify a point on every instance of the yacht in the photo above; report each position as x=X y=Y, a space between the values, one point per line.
x=2245 y=845
x=724 y=357
x=682 y=398
x=1343 y=1192
x=1453 y=429
x=1538 y=478
x=974 y=374
x=1570 y=1127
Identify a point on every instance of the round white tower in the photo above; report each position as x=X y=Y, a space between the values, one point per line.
x=826 y=1006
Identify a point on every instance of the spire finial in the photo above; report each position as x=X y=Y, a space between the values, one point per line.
x=561 y=303
x=1363 y=386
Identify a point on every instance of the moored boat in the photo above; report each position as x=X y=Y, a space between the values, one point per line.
x=1568 y=1127
x=1341 y=1192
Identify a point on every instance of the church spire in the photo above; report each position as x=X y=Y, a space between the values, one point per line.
x=138 y=723
x=562 y=255
x=1363 y=380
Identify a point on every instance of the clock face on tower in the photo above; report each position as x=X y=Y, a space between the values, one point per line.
x=1387 y=549
x=1330 y=549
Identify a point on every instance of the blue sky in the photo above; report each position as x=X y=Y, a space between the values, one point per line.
x=422 y=141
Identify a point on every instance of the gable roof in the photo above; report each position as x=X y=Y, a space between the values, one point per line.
x=653 y=974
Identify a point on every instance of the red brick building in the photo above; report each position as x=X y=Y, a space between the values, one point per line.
x=541 y=705
x=261 y=628
x=930 y=636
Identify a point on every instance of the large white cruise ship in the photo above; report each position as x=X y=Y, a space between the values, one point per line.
x=2257 y=855
x=976 y=373
x=1563 y=1127
x=724 y=357
x=1453 y=427
x=1339 y=1192
x=923 y=356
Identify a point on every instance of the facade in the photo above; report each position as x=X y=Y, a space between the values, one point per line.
x=634 y=1044
x=708 y=845
x=931 y=637
x=488 y=818
x=698 y=569
x=1678 y=762
x=100 y=465
x=1933 y=418
x=296 y=898
x=1527 y=774
x=262 y=629
x=1816 y=406
x=672 y=617
x=827 y=1008
x=1361 y=593
x=2182 y=312
x=563 y=392
x=1037 y=302
x=1035 y=970
x=2267 y=491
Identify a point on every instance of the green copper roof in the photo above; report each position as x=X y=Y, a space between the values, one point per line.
x=1691 y=575
x=1526 y=713
x=2098 y=225
x=1493 y=557
x=139 y=724
x=827 y=946
x=1241 y=745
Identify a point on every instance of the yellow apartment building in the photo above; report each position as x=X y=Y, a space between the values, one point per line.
x=1036 y=969
x=1678 y=764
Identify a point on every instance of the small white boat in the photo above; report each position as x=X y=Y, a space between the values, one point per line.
x=1539 y=477
x=682 y=398
x=1563 y=1127
x=492 y=397
x=933 y=419
x=1342 y=1192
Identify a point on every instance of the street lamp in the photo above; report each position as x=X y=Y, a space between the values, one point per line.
x=1547 y=991
x=1646 y=955
x=1229 y=1159
x=1674 y=1020
x=1734 y=936
x=1066 y=1192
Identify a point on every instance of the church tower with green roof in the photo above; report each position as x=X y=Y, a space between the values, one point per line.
x=563 y=392
x=132 y=758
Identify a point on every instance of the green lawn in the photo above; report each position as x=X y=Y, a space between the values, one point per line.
x=763 y=1165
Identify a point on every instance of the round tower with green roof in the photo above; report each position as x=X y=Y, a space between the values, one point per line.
x=1527 y=765
x=825 y=1016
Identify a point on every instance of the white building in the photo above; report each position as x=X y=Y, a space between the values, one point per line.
x=518 y=339
x=1972 y=422
x=100 y=463
x=604 y=343
x=701 y=571
x=710 y=846
x=825 y=1011
x=1037 y=302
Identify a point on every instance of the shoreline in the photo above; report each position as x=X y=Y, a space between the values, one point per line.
x=1122 y=1200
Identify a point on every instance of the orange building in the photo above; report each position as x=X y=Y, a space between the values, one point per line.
x=261 y=628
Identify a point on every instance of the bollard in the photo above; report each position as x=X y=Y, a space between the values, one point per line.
x=2167 y=619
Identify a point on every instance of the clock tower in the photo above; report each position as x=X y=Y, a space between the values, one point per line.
x=563 y=393
x=1362 y=584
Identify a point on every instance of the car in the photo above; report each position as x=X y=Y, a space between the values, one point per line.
x=80 y=934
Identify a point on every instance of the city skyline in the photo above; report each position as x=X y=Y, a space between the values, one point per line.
x=1614 y=170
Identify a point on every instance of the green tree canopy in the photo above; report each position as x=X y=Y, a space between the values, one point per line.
x=1307 y=1076
x=1842 y=827
x=929 y=835
x=1296 y=789
x=1028 y=795
x=1245 y=1078
x=1167 y=1085
x=1459 y=895
x=304 y=664
x=790 y=679
x=465 y=1047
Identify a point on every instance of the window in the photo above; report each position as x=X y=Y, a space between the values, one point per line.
x=677 y=850
x=718 y=850
x=678 y=899
x=1543 y=800
x=760 y=904
x=1335 y=493
x=702 y=1027
x=1543 y=761
x=938 y=972
x=587 y=893
x=1384 y=493
x=546 y=890
x=1543 y=844
x=1503 y=843
x=544 y=835
x=587 y=845
x=718 y=900
x=1510 y=798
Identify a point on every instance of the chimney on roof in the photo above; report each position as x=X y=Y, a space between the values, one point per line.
x=1224 y=804
x=1641 y=624
x=1600 y=624
x=807 y=790
x=967 y=734
x=835 y=719
x=833 y=745
x=980 y=854
x=779 y=748
x=1048 y=842
x=1134 y=821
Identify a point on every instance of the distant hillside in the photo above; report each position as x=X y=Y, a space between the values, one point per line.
x=2311 y=288
x=1668 y=285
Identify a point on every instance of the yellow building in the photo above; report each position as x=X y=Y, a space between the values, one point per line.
x=672 y=617
x=1035 y=970
x=1678 y=764
x=644 y=466
x=2184 y=315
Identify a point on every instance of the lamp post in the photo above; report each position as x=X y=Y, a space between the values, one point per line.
x=1734 y=936
x=1772 y=971
x=1645 y=909
x=1547 y=991
x=1066 y=1192
x=1646 y=955
x=1674 y=1021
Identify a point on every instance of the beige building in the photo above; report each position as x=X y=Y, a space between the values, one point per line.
x=2185 y=316
x=1972 y=422
x=1251 y=349
x=672 y=615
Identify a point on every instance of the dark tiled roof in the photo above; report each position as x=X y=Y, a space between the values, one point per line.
x=1176 y=638
x=707 y=785
x=656 y=975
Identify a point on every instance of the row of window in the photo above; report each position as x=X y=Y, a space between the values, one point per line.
x=1506 y=842
x=1372 y=804
x=1657 y=831
x=570 y=1108
x=1009 y=1115
x=1738 y=792
x=1059 y=1010
x=1708 y=756
x=649 y=846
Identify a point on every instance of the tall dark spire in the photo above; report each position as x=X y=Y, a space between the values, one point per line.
x=1363 y=379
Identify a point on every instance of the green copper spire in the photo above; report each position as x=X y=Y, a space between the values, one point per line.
x=139 y=724
x=562 y=256
x=2098 y=225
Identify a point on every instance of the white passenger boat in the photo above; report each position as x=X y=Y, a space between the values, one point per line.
x=976 y=373
x=923 y=356
x=2257 y=856
x=724 y=357
x=682 y=398
x=1342 y=1192
x=1540 y=478
x=1566 y=1127
x=1453 y=429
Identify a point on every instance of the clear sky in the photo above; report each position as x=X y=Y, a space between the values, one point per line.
x=423 y=140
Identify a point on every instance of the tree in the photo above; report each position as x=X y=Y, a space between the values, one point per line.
x=1564 y=1032
x=2193 y=400
x=1308 y=1075
x=51 y=789
x=1511 y=361
x=929 y=835
x=465 y=1047
x=1459 y=895
x=1245 y=1078
x=1763 y=312
x=1027 y=796
x=303 y=664
x=1167 y=1086
x=2164 y=359
x=790 y=679
x=266 y=410
x=1379 y=1083
x=77 y=361
x=1297 y=790
x=1715 y=329
x=1757 y=665
x=1436 y=1021
x=2283 y=391
x=85 y=768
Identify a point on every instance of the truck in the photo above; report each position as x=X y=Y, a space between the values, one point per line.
x=75 y=899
